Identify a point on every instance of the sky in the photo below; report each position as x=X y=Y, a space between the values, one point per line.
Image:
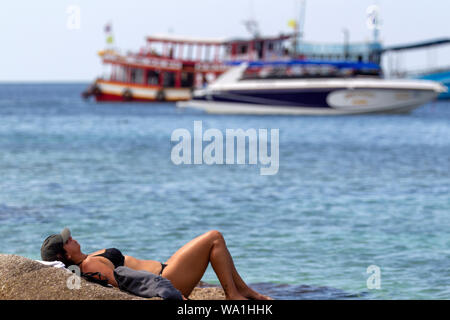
x=42 y=41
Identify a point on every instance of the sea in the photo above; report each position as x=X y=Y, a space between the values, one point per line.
x=359 y=207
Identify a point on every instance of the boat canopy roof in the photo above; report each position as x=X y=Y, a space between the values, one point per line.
x=169 y=38
x=293 y=63
x=418 y=45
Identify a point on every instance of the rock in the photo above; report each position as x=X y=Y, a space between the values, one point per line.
x=25 y=279
x=211 y=293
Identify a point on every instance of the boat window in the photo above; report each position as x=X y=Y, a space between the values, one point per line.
x=137 y=76
x=306 y=71
x=243 y=49
x=259 y=47
x=169 y=79
x=110 y=72
x=187 y=79
x=121 y=74
x=228 y=50
x=152 y=77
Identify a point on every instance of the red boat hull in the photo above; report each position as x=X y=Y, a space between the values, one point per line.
x=111 y=91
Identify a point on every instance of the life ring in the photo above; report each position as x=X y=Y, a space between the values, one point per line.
x=127 y=95
x=160 y=96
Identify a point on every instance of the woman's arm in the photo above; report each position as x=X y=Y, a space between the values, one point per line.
x=96 y=265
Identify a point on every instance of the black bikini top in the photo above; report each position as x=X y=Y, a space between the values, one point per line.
x=114 y=255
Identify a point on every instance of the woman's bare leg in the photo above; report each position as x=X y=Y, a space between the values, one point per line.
x=242 y=287
x=187 y=266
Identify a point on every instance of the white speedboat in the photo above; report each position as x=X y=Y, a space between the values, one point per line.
x=311 y=88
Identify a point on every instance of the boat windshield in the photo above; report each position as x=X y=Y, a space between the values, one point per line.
x=309 y=69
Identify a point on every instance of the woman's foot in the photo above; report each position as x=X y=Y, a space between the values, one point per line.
x=253 y=295
x=260 y=297
x=235 y=297
x=264 y=297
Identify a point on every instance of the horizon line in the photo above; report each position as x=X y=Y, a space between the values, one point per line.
x=44 y=81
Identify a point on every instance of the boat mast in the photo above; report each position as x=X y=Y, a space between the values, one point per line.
x=251 y=24
x=373 y=21
x=301 y=23
x=298 y=28
x=374 y=24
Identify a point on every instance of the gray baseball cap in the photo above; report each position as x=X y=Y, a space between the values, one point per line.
x=53 y=245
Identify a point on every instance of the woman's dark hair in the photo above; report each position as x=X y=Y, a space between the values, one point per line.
x=63 y=258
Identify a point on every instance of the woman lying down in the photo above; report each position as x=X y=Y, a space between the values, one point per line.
x=184 y=269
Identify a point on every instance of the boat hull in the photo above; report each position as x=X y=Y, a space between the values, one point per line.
x=327 y=102
x=108 y=91
x=315 y=98
x=251 y=109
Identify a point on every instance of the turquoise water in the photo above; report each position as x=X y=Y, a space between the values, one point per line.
x=350 y=192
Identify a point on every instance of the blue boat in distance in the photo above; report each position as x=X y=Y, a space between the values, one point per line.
x=442 y=76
